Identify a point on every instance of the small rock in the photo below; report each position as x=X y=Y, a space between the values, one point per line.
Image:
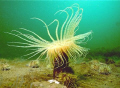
x=33 y=64
x=104 y=69
x=46 y=84
x=5 y=66
x=94 y=65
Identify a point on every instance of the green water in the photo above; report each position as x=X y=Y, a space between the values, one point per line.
x=102 y=17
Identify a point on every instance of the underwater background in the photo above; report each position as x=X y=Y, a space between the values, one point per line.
x=102 y=17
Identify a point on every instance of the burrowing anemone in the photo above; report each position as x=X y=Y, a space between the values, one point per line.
x=64 y=47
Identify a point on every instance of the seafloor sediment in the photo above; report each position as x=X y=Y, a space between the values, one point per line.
x=88 y=72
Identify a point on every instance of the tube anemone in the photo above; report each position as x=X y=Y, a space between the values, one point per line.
x=59 y=51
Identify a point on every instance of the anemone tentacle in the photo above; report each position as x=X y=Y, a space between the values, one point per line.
x=35 y=35
x=64 y=47
x=63 y=23
x=46 y=28
x=56 y=28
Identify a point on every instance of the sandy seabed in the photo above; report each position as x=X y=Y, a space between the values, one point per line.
x=22 y=76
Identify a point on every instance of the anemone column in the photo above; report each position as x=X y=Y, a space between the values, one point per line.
x=61 y=65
